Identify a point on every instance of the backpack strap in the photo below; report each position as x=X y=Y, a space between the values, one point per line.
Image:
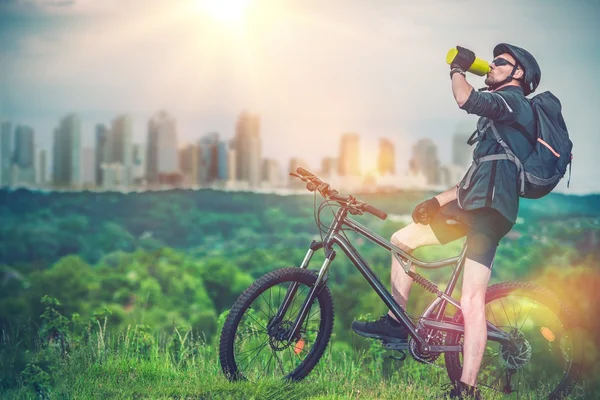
x=474 y=138
x=510 y=155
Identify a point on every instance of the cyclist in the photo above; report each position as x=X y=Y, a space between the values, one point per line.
x=483 y=206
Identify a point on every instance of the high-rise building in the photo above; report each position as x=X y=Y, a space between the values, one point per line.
x=6 y=153
x=42 y=168
x=425 y=160
x=162 y=158
x=329 y=166
x=271 y=174
x=24 y=156
x=139 y=164
x=293 y=167
x=113 y=175
x=101 y=150
x=349 y=163
x=208 y=158
x=88 y=167
x=248 y=149
x=188 y=164
x=386 y=163
x=227 y=159
x=119 y=146
x=461 y=151
x=66 y=151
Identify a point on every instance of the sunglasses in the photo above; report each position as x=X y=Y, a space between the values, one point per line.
x=498 y=62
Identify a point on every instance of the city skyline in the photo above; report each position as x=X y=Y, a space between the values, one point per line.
x=311 y=70
x=117 y=162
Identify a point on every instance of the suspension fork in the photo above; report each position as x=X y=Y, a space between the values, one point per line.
x=291 y=292
x=314 y=292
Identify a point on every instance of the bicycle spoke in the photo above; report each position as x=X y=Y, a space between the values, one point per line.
x=489 y=361
x=246 y=351
x=527 y=317
x=259 y=309
x=260 y=349
x=295 y=311
x=520 y=309
x=508 y=319
x=268 y=316
x=279 y=362
x=499 y=373
x=255 y=320
x=494 y=315
x=270 y=300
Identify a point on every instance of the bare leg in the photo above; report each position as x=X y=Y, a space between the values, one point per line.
x=408 y=238
x=475 y=280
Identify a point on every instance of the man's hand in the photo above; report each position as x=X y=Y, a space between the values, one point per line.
x=424 y=211
x=463 y=60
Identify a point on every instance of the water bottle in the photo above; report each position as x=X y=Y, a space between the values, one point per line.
x=479 y=67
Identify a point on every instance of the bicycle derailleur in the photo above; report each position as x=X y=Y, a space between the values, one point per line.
x=419 y=353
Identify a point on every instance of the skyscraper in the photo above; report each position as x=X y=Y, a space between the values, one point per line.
x=349 y=163
x=227 y=159
x=271 y=175
x=425 y=161
x=329 y=166
x=66 y=150
x=88 y=167
x=162 y=154
x=248 y=149
x=101 y=150
x=6 y=153
x=138 y=163
x=42 y=168
x=24 y=156
x=208 y=158
x=293 y=167
x=119 y=147
x=386 y=163
x=189 y=164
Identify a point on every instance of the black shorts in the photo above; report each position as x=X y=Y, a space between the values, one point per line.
x=483 y=228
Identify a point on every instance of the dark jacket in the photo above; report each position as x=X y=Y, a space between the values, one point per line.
x=495 y=183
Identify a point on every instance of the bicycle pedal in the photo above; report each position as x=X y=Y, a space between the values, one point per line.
x=396 y=346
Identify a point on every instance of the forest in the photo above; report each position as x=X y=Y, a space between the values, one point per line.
x=179 y=259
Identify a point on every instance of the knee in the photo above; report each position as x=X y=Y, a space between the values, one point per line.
x=472 y=302
x=402 y=239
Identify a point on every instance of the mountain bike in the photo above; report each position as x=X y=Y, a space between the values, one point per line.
x=281 y=325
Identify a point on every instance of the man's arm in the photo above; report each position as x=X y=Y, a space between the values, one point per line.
x=460 y=89
x=491 y=105
x=447 y=196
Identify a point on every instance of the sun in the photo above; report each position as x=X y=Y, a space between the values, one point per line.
x=224 y=11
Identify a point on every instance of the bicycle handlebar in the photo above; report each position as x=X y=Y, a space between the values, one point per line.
x=315 y=183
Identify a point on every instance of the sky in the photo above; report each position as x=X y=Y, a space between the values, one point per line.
x=311 y=69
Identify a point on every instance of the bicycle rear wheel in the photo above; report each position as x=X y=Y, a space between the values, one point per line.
x=253 y=346
x=542 y=360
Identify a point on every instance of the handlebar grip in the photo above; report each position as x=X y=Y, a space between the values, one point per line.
x=376 y=212
x=303 y=172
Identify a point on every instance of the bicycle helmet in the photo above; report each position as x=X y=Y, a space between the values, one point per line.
x=528 y=63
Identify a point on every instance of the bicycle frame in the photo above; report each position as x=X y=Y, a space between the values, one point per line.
x=430 y=319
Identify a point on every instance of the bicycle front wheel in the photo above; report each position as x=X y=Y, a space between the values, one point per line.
x=254 y=345
x=542 y=359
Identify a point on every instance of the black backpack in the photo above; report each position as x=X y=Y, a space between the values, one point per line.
x=545 y=166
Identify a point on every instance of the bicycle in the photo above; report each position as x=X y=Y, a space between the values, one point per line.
x=537 y=354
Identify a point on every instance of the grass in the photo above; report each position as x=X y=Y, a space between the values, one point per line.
x=139 y=364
